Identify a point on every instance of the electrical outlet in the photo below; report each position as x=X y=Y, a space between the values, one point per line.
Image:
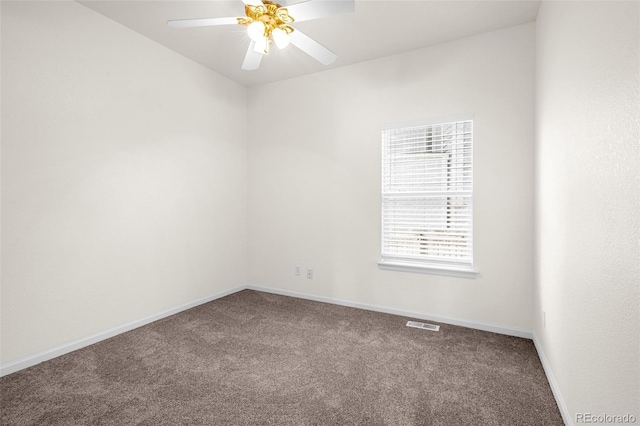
x=309 y=273
x=298 y=270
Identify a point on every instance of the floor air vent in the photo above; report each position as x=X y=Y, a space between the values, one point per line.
x=423 y=326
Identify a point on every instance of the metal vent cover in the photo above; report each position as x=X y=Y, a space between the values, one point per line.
x=423 y=325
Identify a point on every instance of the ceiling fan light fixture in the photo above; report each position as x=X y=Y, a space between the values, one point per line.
x=268 y=23
x=280 y=38
x=256 y=30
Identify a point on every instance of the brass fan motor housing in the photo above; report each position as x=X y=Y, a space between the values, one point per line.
x=271 y=14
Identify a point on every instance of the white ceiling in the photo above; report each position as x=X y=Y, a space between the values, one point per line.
x=377 y=28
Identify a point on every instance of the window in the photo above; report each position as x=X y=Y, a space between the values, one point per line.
x=427 y=194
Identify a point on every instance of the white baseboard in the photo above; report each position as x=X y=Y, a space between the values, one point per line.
x=37 y=358
x=564 y=411
x=463 y=323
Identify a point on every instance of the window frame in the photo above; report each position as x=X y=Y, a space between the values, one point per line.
x=427 y=266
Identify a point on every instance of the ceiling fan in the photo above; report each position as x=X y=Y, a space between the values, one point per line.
x=268 y=22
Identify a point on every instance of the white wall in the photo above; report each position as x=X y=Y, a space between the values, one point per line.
x=123 y=177
x=588 y=205
x=314 y=176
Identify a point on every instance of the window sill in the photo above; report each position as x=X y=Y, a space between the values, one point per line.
x=427 y=269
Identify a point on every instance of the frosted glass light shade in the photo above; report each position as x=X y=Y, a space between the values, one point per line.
x=256 y=30
x=280 y=38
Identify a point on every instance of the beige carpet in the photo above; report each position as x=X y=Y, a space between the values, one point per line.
x=261 y=359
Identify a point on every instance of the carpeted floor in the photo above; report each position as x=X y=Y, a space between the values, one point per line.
x=262 y=359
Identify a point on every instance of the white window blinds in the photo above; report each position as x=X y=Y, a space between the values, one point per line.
x=427 y=188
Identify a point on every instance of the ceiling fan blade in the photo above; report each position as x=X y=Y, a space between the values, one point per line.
x=205 y=22
x=252 y=58
x=312 y=48
x=314 y=9
x=252 y=2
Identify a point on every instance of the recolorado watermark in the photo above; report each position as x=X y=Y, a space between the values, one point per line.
x=605 y=418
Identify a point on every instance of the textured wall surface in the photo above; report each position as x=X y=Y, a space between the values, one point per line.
x=123 y=177
x=314 y=182
x=588 y=205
